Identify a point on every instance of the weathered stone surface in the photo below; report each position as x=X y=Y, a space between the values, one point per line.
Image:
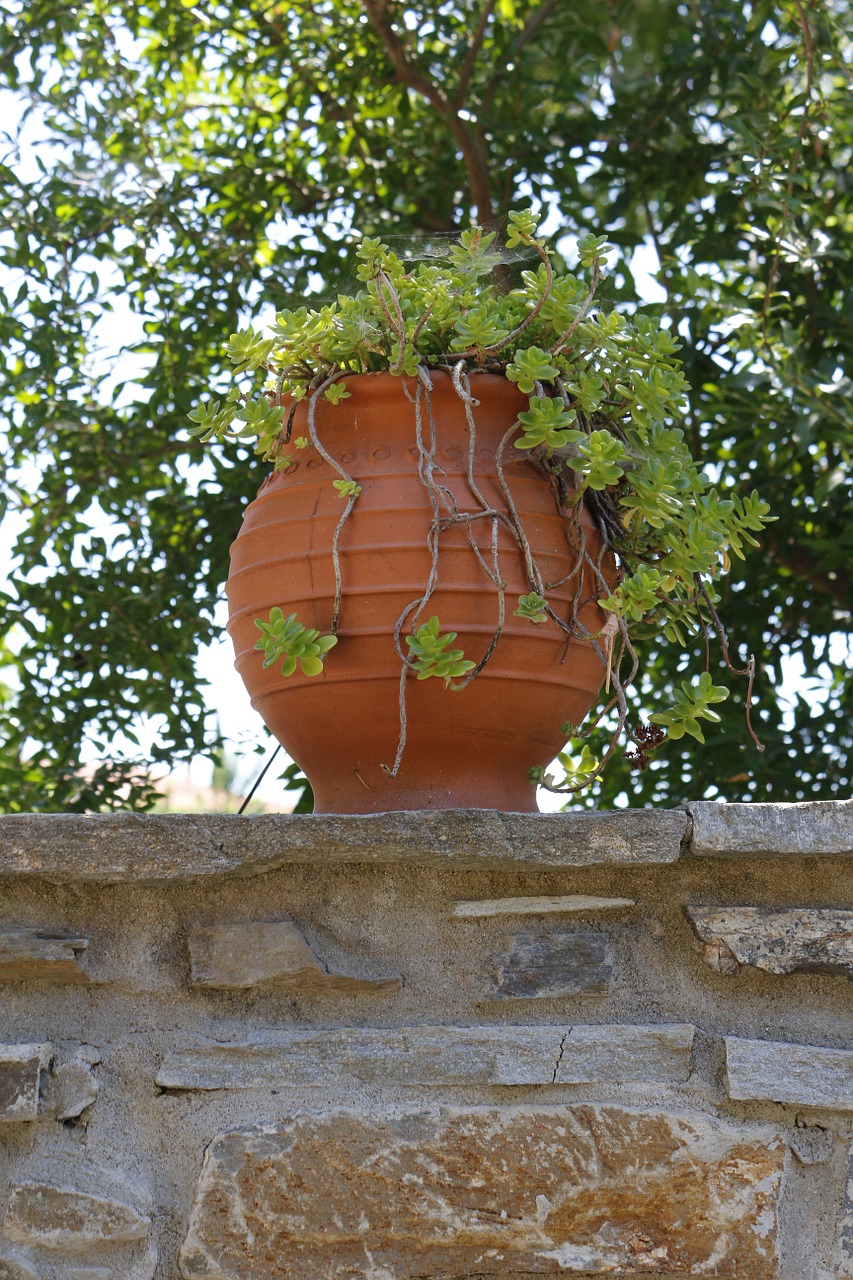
x=21 y=1067
x=492 y=1193
x=565 y=905
x=90 y=1273
x=773 y=1071
x=267 y=951
x=168 y=847
x=71 y=1087
x=766 y=830
x=798 y=938
x=28 y=955
x=547 y=965
x=14 y=1269
x=59 y=1218
x=624 y=1054
x=438 y=1056
x=811 y=1144
x=845 y=1238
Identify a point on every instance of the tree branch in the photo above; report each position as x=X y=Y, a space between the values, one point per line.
x=412 y=76
x=471 y=56
x=528 y=31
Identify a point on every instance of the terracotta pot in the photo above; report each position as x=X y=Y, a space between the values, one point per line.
x=467 y=749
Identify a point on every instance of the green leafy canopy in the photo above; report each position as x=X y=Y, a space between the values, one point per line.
x=192 y=163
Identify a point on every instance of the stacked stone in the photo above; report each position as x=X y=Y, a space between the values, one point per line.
x=449 y=1045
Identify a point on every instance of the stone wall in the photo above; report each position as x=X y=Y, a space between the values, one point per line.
x=436 y=1045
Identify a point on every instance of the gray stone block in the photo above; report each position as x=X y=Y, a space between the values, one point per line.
x=437 y=1056
x=803 y=1074
x=817 y=827
x=626 y=1054
x=797 y=938
x=159 y=848
x=72 y=1221
x=549 y=965
x=71 y=1087
x=28 y=955
x=21 y=1067
x=257 y=952
x=567 y=904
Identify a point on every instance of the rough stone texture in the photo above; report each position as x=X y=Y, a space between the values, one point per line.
x=437 y=1056
x=804 y=1074
x=564 y=905
x=494 y=1193
x=822 y=827
x=71 y=1221
x=799 y=938
x=260 y=951
x=28 y=955
x=661 y=1053
x=159 y=848
x=21 y=1067
x=844 y=1257
x=811 y=1144
x=555 y=964
x=13 y=1269
x=374 y=898
x=71 y=1086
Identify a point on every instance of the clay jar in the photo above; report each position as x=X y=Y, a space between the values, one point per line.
x=470 y=749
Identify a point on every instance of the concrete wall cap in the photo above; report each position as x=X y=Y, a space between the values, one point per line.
x=814 y=828
x=153 y=848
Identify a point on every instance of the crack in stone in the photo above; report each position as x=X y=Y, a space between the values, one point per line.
x=560 y=1055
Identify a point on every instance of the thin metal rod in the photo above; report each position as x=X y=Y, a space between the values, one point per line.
x=259 y=780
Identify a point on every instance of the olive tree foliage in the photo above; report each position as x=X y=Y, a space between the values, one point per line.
x=195 y=163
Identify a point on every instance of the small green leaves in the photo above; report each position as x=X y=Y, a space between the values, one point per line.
x=521 y=229
x=248 y=351
x=478 y=328
x=473 y=255
x=287 y=639
x=599 y=460
x=531 y=606
x=637 y=595
x=336 y=393
x=593 y=250
x=579 y=772
x=431 y=655
x=548 y=422
x=374 y=256
x=529 y=367
x=692 y=703
x=347 y=488
x=213 y=419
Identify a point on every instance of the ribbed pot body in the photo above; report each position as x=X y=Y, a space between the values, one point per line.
x=470 y=749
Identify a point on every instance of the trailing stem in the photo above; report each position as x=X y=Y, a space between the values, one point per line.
x=344 y=474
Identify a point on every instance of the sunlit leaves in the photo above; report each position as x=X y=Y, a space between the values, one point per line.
x=691 y=703
x=430 y=653
x=529 y=367
x=287 y=640
x=548 y=424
